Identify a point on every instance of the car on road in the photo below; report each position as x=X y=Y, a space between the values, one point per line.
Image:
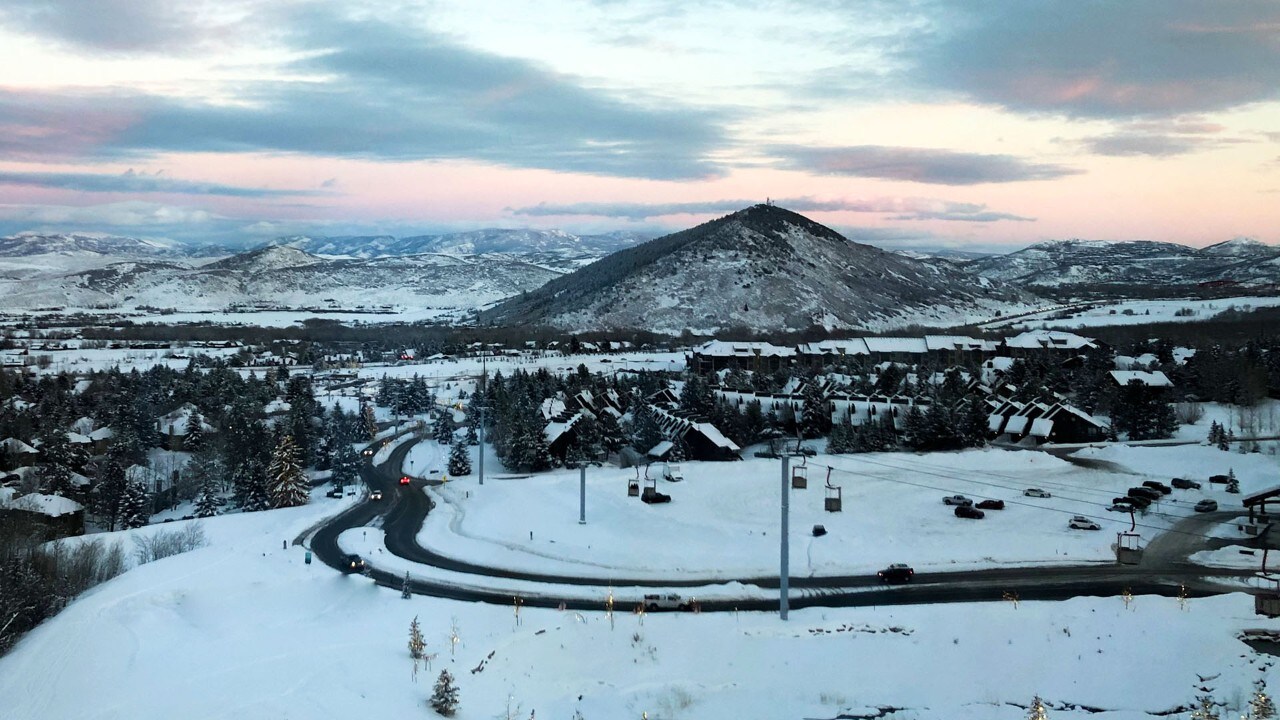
x=1185 y=484
x=1207 y=505
x=375 y=495
x=1159 y=486
x=669 y=601
x=367 y=452
x=960 y=500
x=897 y=572
x=1080 y=522
x=405 y=479
x=1036 y=492
x=990 y=505
x=969 y=511
x=1145 y=492
x=352 y=563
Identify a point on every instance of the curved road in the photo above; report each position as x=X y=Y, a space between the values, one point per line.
x=1164 y=569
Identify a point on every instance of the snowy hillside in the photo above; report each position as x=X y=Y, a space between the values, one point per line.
x=764 y=268
x=474 y=242
x=1062 y=263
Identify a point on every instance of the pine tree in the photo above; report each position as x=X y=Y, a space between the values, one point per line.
x=108 y=492
x=370 y=421
x=679 y=451
x=1206 y=709
x=1215 y=433
x=445 y=697
x=645 y=431
x=459 y=460
x=444 y=427
x=1223 y=439
x=417 y=644
x=207 y=501
x=195 y=433
x=915 y=428
x=472 y=438
x=287 y=484
x=610 y=431
x=135 y=506
x=345 y=466
x=840 y=440
x=1261 y=706
x=1037 y=710
x=815 y=415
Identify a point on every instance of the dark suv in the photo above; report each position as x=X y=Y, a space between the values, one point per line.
x=352 y=563
x=897 y=572
x=969 y=511
x=1164 y=489
x=1145 y=492
x=1185 y=484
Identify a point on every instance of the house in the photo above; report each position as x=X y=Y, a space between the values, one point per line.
x=14 y=454
x=1149 y=379
x=1067 y=424
x=561 y=433
x=47 y=516
x=896 y=349
x=276 y=407
x=704 y=440
x=718 y=355
x=863 y=409
x=175 y=426
x=1042 y=342
x=101 y=439
x=826 y=352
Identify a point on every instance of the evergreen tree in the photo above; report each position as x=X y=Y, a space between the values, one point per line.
x=370 y=421
x=815 y=415
x=445 y=697
x=195 y=433
x=417 y=643
x=1261 y=706
x=610 y=431
x=55 y=463
x=840 y=440
x=444 y=427
x=974 y=427
x=108 y=492
x=135 y=506
x=472 y=438
x=915 y=428
x=1224 y=439
x=207 y=501
x=459 y=460
x=1037 y=710
x=588 y=439
x=645 y=431
x=753 y=422
x=287 y=484
x=1206 y=709
x=1142 y=414
x=679 y=450
x=250 y=481
x=345 y=466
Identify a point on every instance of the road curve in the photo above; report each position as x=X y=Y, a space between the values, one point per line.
x=405 y=507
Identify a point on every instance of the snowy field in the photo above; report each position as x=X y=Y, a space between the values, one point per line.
x=244 y=629
x=1142 y=312
x=722 y=521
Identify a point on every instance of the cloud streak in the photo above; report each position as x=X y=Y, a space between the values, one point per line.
x=922 y=165
x=140 y=183
x=902 y=208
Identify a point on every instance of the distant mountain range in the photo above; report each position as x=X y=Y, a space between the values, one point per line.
x=474 y=242
x=763 y=268
x=1063 y=264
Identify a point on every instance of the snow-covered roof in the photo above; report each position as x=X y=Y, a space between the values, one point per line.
x=16 y=446
x=896 y=345
x=554 y=430
x=999 y=363
x=853 y=346
x=6 y=495
x=1017 y=424
x=102 y=433
x=77 y=439
x=17 y=403
x=551 y=407
x=1037 y=339
x=84 y=426
x=81 y=386
x=722 y=348
x=176 y=422
x=1150 y=379
x=276 y=407
x=954 y=342
x=661 y=449
x=50 y=505
x=714 y=435
x=1041 y=427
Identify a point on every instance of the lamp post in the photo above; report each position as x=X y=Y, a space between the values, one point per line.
x=785 y=555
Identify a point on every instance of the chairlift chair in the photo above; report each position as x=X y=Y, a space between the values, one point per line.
x=835 y=496
x=633 y=485
x=800 y=474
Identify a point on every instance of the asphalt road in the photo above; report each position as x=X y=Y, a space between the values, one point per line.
x=1164 y=570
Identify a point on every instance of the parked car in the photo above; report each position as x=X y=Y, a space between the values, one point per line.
x=1164 y=489
x=1122 y=507
x=957 y=500
x=969 y=511
x=1142 y=503
x=334 y=493
x=897 y=572
x=1220 y=479
x=990 y=505
x=1206 y=505
x=352 y=563
x=819 y=530
x=1081 y=522
x=1145 y=492
x=375 y=495
x=1185 y=484
x=1036 y=492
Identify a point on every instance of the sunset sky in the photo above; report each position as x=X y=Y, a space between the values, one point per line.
x=943 y=123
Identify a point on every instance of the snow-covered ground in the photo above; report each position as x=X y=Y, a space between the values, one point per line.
x=245 y=629
x=722 y=522
x=1141 y=312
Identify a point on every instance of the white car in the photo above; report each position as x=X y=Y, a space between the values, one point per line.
x=957 y=500
x=1080 y=522
x=1036 y=492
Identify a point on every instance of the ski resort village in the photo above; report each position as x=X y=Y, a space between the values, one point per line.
x=639 y=360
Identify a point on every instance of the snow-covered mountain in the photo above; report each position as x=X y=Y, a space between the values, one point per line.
x=1065 y=263
x=286 y=276
x=763 y=268
x=100 y=244
x=475 y=242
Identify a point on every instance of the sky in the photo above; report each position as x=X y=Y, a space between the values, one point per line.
x=940 y=123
